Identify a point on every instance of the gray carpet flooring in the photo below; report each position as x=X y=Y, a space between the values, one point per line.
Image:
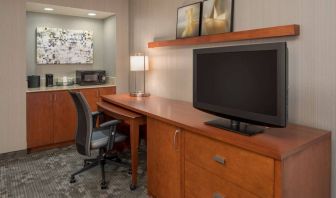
x=47 y=173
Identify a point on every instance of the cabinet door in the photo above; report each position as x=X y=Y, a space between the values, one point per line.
x=39 y=119
x=64 y=117
x=92 y=97
x=165 y=152
x=107 y=91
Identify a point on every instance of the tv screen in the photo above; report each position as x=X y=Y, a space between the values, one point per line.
x=242 y=83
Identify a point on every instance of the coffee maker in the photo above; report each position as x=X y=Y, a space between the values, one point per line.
x=49 y=80
x=33 y=81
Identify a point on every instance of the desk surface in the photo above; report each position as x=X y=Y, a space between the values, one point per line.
x=118 y=110
x=278 y=143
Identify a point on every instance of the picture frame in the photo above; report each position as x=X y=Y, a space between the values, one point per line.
x=217 y=17
x=189 y=20
x=63 y=46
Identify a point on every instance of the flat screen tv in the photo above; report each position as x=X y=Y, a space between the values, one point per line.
x=244 y=85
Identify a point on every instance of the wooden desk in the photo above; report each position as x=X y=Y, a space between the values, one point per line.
x=183 y=152
x=134 y=120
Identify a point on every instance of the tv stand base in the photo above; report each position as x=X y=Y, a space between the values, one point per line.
x=236 y=126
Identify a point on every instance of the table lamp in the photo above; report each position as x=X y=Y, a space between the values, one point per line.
x=139 y=62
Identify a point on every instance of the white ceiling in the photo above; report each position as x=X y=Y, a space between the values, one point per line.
x=39 y=7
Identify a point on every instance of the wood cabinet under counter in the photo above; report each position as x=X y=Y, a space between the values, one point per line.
x=51 y=116
x=184 y=163
x=246 y=169
x=165 y=161
x=187 y=158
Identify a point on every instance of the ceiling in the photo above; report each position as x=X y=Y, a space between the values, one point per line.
x=39 y=7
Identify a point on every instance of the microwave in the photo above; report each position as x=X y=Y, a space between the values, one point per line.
x=90 y=77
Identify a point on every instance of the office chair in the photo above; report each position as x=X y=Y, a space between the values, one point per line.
x=89 y=137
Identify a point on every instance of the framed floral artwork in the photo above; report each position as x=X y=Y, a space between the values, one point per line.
x=189 y=20
x=217 y=16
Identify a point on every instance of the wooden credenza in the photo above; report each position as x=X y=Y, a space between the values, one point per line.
x=187 y=158
x=51 y=116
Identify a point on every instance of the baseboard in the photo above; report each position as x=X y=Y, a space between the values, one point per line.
x=24 y=152
x=51 y=146
x=13 y=154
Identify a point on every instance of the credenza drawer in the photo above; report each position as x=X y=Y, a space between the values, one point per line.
x=250 y=171
x=200 y=183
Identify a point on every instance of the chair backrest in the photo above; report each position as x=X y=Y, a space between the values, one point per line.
x=84 y=124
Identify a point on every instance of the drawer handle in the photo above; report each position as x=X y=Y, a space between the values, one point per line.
x=219 y=159
x=218 y=195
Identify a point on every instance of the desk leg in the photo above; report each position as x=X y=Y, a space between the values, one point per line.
x=134 y=133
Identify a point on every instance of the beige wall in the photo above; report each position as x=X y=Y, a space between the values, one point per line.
x=110 y=44
x=312 y=63
x=13 y=61
x=12 y=76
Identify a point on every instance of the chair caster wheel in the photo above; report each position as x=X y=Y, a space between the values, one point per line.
x=118 y=160
x=133 y=187
x=103 y=185
x=72 y=180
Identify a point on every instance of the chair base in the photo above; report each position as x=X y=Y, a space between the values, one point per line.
x=72 y=180
x=100 y=160
x=103 y=185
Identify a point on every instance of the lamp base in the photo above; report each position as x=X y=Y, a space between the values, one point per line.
x=139 y=94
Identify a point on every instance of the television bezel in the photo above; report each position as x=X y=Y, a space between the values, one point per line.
x=280 y=119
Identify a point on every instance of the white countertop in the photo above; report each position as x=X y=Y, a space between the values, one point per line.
x=60 y=88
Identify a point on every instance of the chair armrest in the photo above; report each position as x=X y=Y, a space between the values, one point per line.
x=96 y=113
x=109 y=123
x=95 y=116
x=112 y=125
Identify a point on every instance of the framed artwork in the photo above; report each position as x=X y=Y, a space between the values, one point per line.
x=217 y=16
x=60 y=46
x=189 y=20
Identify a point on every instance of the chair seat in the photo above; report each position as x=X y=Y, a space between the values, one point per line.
x=100 y=138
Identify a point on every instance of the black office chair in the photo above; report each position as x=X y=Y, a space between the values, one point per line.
x=88 y=137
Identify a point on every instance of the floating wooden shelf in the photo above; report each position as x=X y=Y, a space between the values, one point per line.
x=271 y=32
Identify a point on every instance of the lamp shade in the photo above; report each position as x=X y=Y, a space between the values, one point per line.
x=139 y=63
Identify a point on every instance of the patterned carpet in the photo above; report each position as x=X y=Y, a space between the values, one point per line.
x=47 y=173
